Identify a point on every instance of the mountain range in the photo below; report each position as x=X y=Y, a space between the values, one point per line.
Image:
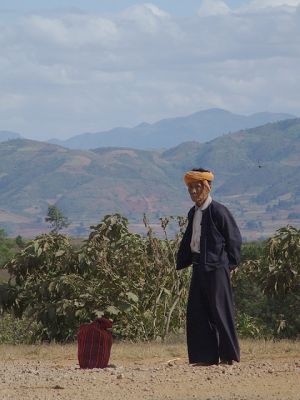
x=201 y=126
x=257 y=176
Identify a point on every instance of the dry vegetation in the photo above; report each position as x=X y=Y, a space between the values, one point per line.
x=130 y=353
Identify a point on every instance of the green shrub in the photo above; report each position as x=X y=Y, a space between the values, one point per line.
x=124 y=276
x=132 y=280
x=17 y=330
x=272 y=284
x=251 y=327
x=8 y=248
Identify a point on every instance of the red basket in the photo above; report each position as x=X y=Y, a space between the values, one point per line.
x=94 y=344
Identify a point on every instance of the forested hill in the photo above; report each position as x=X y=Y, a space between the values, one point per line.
x=257 y=176
x=8 y=135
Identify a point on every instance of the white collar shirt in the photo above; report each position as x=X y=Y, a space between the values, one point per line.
x=196 y=235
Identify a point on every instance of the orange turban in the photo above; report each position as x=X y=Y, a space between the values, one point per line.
x=196 y=176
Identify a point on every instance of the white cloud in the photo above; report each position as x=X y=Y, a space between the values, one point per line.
x=149 y=19
x=266 y=6
x=273 y=3
x=71 y=30
x=146 y=9
x=213 y=7
x=11 y=101
x=67 y=73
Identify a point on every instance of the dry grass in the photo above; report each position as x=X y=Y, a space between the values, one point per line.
x=259 y=349
x=139 y=353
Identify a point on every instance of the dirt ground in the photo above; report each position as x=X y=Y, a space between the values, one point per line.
x=150 y=371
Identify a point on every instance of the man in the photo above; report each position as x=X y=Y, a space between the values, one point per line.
x=211 y=243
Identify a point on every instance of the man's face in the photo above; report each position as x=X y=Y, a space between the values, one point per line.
x=198 y=192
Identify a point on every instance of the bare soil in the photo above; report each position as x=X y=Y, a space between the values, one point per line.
x=150 y=371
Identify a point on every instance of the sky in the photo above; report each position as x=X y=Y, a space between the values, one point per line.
x=69 y=67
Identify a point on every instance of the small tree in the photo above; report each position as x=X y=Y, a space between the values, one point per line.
x=2 y=234
x=56 y=219
x=7 y=248
x=20 y=242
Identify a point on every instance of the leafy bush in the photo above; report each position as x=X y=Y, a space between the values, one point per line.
x=279 y=268
x=124 y=276
x=132 y=280
x=16 y=330
x=274 y=279
x=8 y=248
x=250 y=327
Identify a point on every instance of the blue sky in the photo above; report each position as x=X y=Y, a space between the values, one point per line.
x=68 y=67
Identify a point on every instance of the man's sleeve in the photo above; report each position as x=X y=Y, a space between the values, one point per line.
x=184 y=255
x=232 y=236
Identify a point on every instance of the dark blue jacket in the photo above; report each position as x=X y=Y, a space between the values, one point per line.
x=220 y=242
